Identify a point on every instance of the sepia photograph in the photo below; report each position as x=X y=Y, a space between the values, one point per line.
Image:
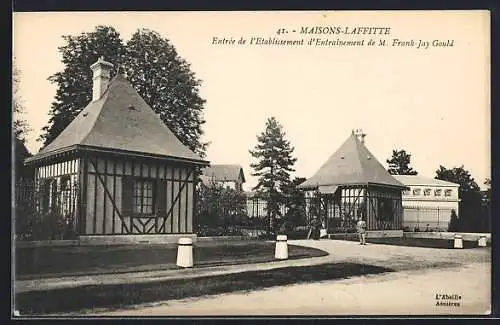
x=251 y=163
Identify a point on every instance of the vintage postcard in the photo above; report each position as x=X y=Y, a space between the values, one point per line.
x=296 y=163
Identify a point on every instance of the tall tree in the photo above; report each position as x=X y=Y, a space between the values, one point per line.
x=399 y=164
x=152 y=65
x=486 y=208
x=165 y=81
x=275 y=162
x=470 y=207
x=74 y=83
x=460 y=176
x=19 y=124
x=20 y=129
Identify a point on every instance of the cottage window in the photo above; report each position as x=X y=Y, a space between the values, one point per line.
x=416 y=191
x=437 y=192
x=427 y=192
x=143 y=196
x=447 y=193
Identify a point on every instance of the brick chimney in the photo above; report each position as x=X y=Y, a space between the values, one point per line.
x=101 y=77
x=360 y=134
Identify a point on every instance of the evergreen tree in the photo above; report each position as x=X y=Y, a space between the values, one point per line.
x=153 y=67
x=399 y=164
x=275 y=162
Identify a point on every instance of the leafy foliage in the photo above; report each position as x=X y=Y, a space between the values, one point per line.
x=295 y=203
x=74 y=83
x=460 y=176
x=153 y=67
x=399 y=164
x=473 y=214
x=35 y=221
x=19 y=125
x=220 y=207
x=274 y=164
x=20 y=130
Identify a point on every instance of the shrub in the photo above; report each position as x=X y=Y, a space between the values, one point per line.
x=454 y=223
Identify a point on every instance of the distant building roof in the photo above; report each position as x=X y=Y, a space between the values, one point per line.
x=416 y=180
x=223 y=173
x=120 y=120
x=351 y=164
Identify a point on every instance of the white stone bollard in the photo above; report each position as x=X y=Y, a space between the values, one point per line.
x=458 y=243
x=185 y=252
x=482 y=241
x=281 y=251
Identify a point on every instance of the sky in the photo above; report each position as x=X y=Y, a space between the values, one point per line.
x=433 y=102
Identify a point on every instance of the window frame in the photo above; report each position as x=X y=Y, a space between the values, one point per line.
x=152 y=207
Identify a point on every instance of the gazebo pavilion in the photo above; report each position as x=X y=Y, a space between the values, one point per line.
x=351 y=184
x=135 y=178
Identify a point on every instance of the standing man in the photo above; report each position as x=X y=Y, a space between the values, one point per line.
x=361 y=227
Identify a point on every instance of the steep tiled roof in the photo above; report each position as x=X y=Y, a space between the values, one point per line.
x=120 y=120
x=351 y=164
x=224 y=172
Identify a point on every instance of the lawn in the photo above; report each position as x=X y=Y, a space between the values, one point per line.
x=414 y=242
x=39 y=262
x=122 y=295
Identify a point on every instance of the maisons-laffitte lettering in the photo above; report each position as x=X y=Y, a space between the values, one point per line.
x=332 y=30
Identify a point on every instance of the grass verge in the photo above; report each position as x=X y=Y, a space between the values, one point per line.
x=411 y=242
x=122 y=295
x=43 y=262
x=423 y=242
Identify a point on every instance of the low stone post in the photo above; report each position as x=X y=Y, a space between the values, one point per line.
x=185 y=252
x=481 y=241
x=281 y=251
x=458 y=243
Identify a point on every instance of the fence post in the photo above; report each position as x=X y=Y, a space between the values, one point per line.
x=281 y=250
x=185 y=252
x=482 y=241
x=418 y=217
x=439 y=228
x=458 y=243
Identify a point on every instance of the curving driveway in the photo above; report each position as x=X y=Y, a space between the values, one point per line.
x=463 y=275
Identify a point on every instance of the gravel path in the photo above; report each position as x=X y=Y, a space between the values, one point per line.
x=423 y=273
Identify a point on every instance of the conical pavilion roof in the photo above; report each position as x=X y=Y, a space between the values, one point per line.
x=351 y=164
x=120 y=120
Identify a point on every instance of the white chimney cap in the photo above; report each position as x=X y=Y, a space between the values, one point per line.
x=101 y=62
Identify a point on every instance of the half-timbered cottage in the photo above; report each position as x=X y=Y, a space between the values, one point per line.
x=353 y=184
x=134 y=176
